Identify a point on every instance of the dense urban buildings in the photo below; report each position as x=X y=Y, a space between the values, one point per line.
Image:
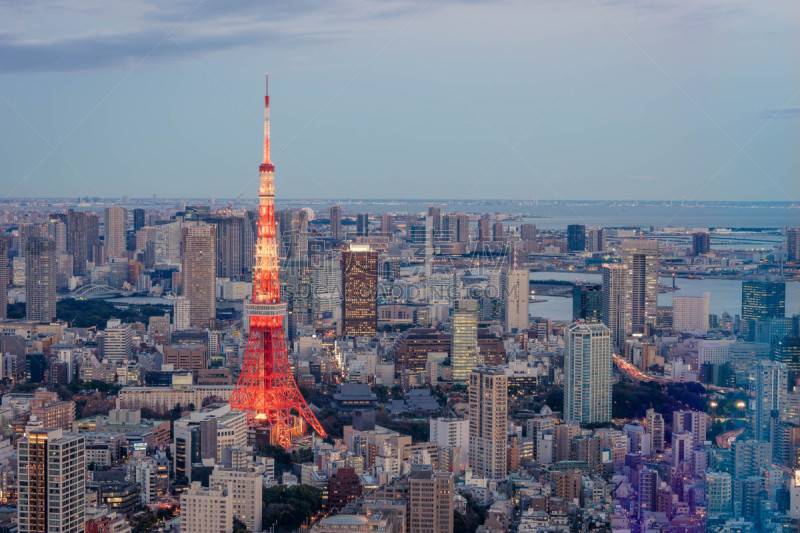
x=198 y=268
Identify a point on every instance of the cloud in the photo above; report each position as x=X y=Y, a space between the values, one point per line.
x=102 y=50
x=784 y=112
x=644 y=178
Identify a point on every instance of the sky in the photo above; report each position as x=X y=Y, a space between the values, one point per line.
x=429 y=99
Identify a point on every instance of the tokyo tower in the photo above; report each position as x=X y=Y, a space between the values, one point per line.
x=266 y=390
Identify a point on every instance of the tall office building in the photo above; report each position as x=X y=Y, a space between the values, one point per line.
x=3 y=278
x=641 y=258
x=115 y=236
x=701 y=243
x=576 y=237
x=654 y=423
x=763 y=299
x=616 y=301
x=771 y=387
x=435 y=212
x=587 y=302
x=690 y=313
x=596 y=240
x=297 y=292
x=52 y=490
x=488 y=417
x=292 y=225
x=79 y=242
x=138 y=219
x=198 y=270
x=464 y=344
x=484 y=233
x=40 y=279
x=336 y=222
x=516 y=286
x=498 y=231
x=229 y=246
x=587 y=373
x=793 y=245
x=57 y=232
x=359 y=291
x=431 y=505
x=362 y=225
x=387 y=225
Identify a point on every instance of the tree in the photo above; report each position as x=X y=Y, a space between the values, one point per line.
x=239 y=526
x=175 y=412
x=289 y=507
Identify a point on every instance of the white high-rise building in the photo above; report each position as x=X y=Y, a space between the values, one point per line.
x=464 y=347
x=451 y=432
x=690 y=314
x=682 y=446
x=693 y=422
x=115 y=232
x=488 y=417
x=117 y=341
x=48 y=502
x=616 y=301
x=181 y=308
x=517 y=288
x=167 y=243
x=245 y=488
x=207 y=509
x=714 y=352
x=587 y=373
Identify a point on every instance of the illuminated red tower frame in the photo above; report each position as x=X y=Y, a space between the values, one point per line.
x=266 y=390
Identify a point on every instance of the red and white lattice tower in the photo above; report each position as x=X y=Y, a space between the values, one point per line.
x=266 y=390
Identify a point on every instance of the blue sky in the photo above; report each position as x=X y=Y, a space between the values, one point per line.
x=548 y=99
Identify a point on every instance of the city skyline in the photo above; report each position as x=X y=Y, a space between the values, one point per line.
x=627 y=101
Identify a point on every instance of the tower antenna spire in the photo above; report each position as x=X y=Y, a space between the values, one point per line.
x=266 y=160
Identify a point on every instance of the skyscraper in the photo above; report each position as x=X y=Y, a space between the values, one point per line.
x=516 y=288
x=488 y=417
x=576 y=237
x=52 y=464
x=772 y=383
x=587 y=373
x=229 y=240
x=336 y=222
x=498 y=231
x=616 y=301
x=483 y=230
x=464 y=344
x=3 y=278
x=793 y=245
x=362 y=225
x=198 y=268
x=596 y=240
x=701 y=243
x=78 y=240
x=387 y=225
x=115 y=232
x=359 y=291
x=40 y=279
x=587 y=302
x=138 y=219
x=763 y=299
x=641 y=258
